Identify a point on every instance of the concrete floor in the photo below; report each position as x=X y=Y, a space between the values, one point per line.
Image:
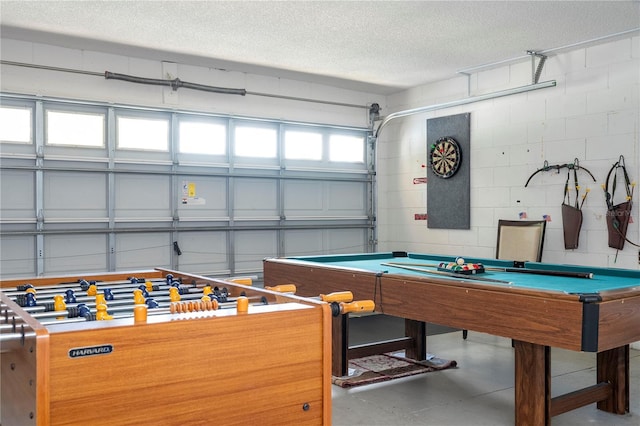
x=479 y=392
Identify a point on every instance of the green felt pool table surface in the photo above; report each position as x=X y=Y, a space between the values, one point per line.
x=603 y=279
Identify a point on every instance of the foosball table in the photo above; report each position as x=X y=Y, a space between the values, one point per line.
x=161 y=347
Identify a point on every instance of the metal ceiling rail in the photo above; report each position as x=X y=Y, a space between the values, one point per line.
x=584 y=43
x=465 y=101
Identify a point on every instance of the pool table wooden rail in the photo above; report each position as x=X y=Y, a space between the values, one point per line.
x=537 y=316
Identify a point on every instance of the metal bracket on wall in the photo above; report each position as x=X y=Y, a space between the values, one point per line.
x=374 y=114
x=536 y=71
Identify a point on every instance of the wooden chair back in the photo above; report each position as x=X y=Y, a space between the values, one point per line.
x=520 y=240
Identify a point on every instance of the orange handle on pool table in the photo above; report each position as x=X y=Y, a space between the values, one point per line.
x=357 y=306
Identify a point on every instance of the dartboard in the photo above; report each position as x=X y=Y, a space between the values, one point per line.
x=445 y=157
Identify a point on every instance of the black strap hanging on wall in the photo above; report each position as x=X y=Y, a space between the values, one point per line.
x=618 y=215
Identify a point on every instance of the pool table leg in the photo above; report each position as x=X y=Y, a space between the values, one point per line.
x=532 y=384
x=340 y=345
x=613 y=368
x=414 y=344
x=417 y=331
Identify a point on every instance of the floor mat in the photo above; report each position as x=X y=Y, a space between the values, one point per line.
x=389 y=366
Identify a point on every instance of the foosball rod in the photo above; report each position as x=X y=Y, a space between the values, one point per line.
x=185 y=290
x=121 y=283
x=8 y=331
x=164 y=295
x=341 y=301
x=49 y=318
x=338 y=296
x=10 y=328
x=129 y=308
x=91 y=302
x=77 y=285
x=11 y=337
x=116 y=289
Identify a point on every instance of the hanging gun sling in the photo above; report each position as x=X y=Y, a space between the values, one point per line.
x=571 y=214
x=618 y=215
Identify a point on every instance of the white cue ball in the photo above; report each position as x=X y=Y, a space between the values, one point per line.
x=460 y=261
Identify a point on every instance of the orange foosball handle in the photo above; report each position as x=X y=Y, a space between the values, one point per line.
x=283 y=288
x=360 y=306
x=339 y=296
x=242 y=305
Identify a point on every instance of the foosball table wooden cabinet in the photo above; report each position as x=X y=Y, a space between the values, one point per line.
x=247 y=355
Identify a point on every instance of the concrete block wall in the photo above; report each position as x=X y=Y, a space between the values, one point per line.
x=593 y=114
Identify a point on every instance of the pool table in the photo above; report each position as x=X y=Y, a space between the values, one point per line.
x=537 y=305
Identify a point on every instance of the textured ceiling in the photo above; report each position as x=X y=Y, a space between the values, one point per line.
x=377 y=46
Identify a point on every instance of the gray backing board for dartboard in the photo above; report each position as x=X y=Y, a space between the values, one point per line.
x=448 y=200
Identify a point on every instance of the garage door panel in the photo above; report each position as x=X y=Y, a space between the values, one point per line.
x=304 y=242
x=17 y=256
x=143 y=250
x=142 y=196
x=346 y=240
x=203 y=252
x=255 y=198
x=346 y=198
x=17 y=194
x=203 y=197
x=75 y=195
x=66 y=254
x=251 y=247
x=301 y=197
